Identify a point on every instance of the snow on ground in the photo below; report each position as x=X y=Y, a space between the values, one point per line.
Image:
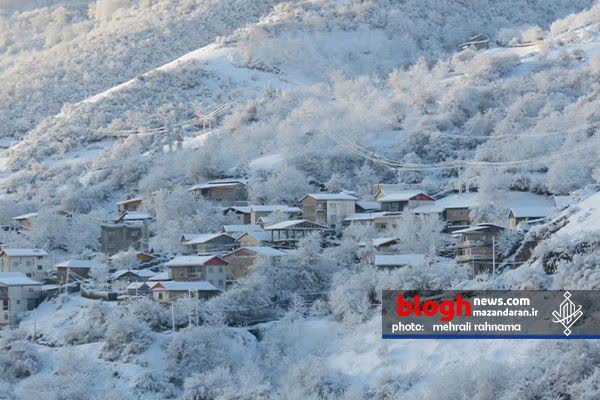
x=584 y=217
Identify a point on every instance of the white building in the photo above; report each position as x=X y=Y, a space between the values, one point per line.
x=28 y=261
x=328 y=208
x=18 y=294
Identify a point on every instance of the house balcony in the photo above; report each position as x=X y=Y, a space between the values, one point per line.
x=464 y=258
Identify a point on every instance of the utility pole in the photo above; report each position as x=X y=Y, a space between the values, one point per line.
x=189 y=308
x=493 y=255
x=172 y=316
x=67 y=281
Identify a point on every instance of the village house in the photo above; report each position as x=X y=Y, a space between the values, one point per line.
x=454 y=210
x=283 y=211
x=287 y=233
x=404 y=199
x=212 y=269
x=131 y=275
x=18 y=294
x=243 y=259
x=381 y=221
x=224 y=191
x=518 y=215
x=206 y=243
x=242 y=214
x=476 y=248
x=124 y=235
x=328 y=208
x=25 y=221
x=138 y=289
x=167 y=292
x=30 y=262
x=76 y=270
x=134 y=204
x=386 y=245
x=392 y=261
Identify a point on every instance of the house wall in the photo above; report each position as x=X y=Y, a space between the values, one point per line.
x=32 y=266
x=120 y=237
x=249 y=241
x=16 y=300
x=166 y=296
x=133 y=206
x=215 y=272
x=337 y=210
x=226 y=195
x=309 y=208
x=457 y=216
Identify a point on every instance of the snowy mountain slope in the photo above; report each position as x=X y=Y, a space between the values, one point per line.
x=73 y=55
x=493 y=105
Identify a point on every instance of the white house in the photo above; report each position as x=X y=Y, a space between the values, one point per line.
x=212 y=269
x=28 y=261
x=18 y=294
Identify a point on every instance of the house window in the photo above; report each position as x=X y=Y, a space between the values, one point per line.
x=220 y=282
x=160 y=295
x=5 y=305
x=28 y=275
x=18 y=301
x=29 y=263
x=221 y=269
x=39 y=267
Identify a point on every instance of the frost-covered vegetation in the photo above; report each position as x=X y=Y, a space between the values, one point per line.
x=307 y=77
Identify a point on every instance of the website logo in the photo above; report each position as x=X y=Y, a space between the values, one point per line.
x=567 y=314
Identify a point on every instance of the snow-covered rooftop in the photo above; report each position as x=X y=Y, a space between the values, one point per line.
x=25 y=216
x=191 y=238
x=17 y=279
x=342 y=196
x=24 y=252
x=241 y=228
x=161 y=276
x=219 y=183
x=367 y=216
x=532 y=212
x=291 y=224
x=401 y=195
x=83 y=264
x=185 y=286
x=261 y=250
x=276 y=207
x=134 y=200
x=136 y=285
x=135 y=216
x=186 y=261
